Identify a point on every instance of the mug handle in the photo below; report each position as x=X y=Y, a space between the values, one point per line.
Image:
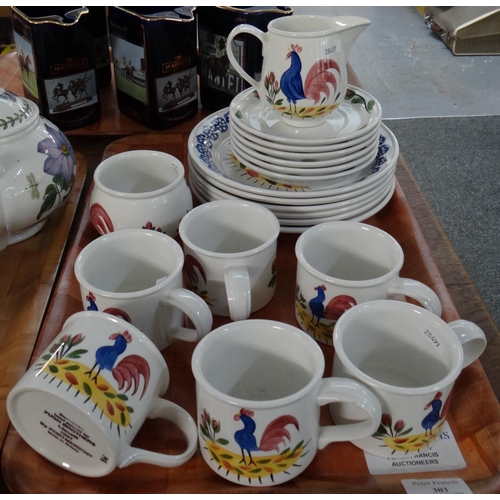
x=251 y=30
x=195 y=308
x=343 y=390
x=161 y=408
x=419 y=292
x=238 y=291
x=471 y=337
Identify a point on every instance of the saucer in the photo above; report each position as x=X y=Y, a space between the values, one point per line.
x=205 y=140
x=348 y=121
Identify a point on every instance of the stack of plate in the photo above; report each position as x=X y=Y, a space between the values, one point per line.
x=342 y=169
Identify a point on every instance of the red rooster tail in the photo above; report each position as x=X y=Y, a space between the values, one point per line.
x=129 y=370
x=319 y=77
x=276 y=433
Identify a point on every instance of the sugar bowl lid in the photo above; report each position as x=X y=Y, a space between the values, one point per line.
x=16 y=113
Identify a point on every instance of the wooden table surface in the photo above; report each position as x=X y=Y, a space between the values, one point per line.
x=429 y=257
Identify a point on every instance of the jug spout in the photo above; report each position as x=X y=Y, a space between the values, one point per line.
x=350 y=27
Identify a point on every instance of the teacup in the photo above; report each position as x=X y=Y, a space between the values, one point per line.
x=409 y=358
x=230 y=254
x=343 y=263
x=84 y=399
x=304 y=71
x=136 y=274
x=139 y=189
x=259 y=389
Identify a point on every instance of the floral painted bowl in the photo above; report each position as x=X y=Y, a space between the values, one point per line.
x=37 y=168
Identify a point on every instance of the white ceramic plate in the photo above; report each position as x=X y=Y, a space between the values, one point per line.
x=310 y=166
x=210 y=192
x=291 y=148
x=204 y=144
x=292 y=203
x=347 y=122
x=232 y=158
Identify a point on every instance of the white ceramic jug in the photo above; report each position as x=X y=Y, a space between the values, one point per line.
x=304 y=72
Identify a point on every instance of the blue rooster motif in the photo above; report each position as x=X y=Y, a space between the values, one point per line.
x=274 y=434
x=316 y=83
x=333 y=310
x=128 y=370
x=437 y=414
x=120 y=313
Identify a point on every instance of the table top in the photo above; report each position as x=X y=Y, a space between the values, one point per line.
x=429 y=257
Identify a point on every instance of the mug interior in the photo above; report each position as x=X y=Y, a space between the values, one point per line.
x=301 y=24
x=350 y=252
x=397 y=345
x=229 y=228
x=138 y=172
x=128 y=261
x=61 y=432
x=256 y=360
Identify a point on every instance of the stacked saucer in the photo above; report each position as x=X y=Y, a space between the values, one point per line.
x=340 y=170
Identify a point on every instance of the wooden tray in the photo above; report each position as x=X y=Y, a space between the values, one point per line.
x=28 y=272
x=340 y=468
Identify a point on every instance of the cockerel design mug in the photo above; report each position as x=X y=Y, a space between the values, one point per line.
x=409 y=358
x=341 y=264
x=84 y=399
x=136 y=274
x=230 y=253
x=259 y=389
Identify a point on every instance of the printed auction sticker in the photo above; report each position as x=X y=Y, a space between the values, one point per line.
x=436 y=486
x=441 y=454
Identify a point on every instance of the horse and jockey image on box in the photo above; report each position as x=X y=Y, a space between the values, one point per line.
x=68 y=92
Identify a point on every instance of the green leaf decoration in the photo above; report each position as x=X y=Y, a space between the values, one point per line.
x=122 y=417
x=49 y=199
x=404 y=433
x=72 y=368
x=357 y=100
x=239 y=471
x=282 y=465
x=87 y=389
x=53 y=368
x=255 y=471
x=110 y=395
x=46 y=357
x=122 y=397
x=284 y=452
x=226 y=456
x=222 y=441
x=205 y=432
x=238 y=114
x=215 y=457
x=76 y=354
x=279 y=102
x=59 y=180
x=264 y=461
x=298 y=446
x=321 y=109
x=130 y=409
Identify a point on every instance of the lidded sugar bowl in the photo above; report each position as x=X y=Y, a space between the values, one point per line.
x=37 y=168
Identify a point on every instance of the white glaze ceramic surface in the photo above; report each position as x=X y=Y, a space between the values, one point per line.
x=37 y=169
x=410 y=359
x=83 y=401
x=136 y=274
x=276 y=406
x=304 y=70
x=139 y=189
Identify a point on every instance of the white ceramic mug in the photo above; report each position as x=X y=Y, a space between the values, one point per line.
x=410 y=359
x=304 y=69
x=259 y=389
x=139 y=189
x=136 y=274
x=230 y=253
x=343 y=263
x=84 y=399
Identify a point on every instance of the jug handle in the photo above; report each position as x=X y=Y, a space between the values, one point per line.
x=251 y=30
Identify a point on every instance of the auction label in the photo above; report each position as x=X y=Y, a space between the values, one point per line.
x=436 y=486
x=442 y=454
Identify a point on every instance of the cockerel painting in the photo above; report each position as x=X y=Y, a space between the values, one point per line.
x=126 y=371
x=319 y=81
x=274 y=434
x=437 y=414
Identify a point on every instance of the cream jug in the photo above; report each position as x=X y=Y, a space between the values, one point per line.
x=304 y=72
